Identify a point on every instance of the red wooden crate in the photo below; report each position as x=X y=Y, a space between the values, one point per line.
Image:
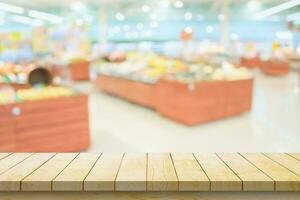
x=133 y=91
x=79 y=70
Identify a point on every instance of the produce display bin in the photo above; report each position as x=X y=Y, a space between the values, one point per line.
x=56 y=124
x=7 y=132
x=79 y=70
x=186 y=103
x=203 y=101
x=275 y=68
x=133 y=91
x=254 y=62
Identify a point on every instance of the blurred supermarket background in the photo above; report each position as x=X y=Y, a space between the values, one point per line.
x=132 y=75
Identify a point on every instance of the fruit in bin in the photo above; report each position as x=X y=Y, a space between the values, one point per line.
x=43 y=93
x=7 y=95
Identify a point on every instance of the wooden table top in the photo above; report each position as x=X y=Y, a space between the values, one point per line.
x=150 y=172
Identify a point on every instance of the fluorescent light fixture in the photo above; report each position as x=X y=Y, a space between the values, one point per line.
x=188 y=16
x=21 y=19
x=145 y=8
x=209 y=29
x=276 y=9
x=178 y=4
x=120 y=17
x=188 y=30
x=221 y=17
x=45 y=16
x=11 y=8
x=293 y=17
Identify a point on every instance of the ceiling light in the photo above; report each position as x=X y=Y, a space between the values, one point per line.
x=253 y=5
x=11 y=8
x=188 y=16
x=209 y=29
x=276 y=9
x=120 y=17
x=221 y=17
x=234 y=36
x=45 y=16
x=145 y=8
x=21 y=19
x=153 y=16
x=164 y=4
x=188 y=30
x=293 y=17
x=178 y=4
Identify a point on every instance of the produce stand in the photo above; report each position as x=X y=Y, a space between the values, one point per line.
x=79 y=70
x=132 y=90
x=275 y=67
x=187 y=103
x=148 y=176
x=250 y=62
x=203 y=101
x=54 y=124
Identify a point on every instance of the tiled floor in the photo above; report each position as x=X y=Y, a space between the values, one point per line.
x=273 y=125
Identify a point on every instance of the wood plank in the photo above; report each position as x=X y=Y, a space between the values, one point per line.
x=295 y=155
x=4 y=155
x=71 y=178
x=11 y=179
x=103 y=175
x=132 y=175
x=285 y=180
x=161 y=175
x=287 y=161
x=221 y=177
x=149 y=195
x=12 y=160
x=41 y=179
x=190 y=175
x=253 y=179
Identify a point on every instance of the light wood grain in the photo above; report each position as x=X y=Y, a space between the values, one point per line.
x=12 y=160
x=221 y=177
x=287 y=161
x=253 y=179
x=103 y=175
x=190 y=175
x=71 y=178
x=3 y=155
x=11 y=179
x=295 y=155
x=41 y=179
x=133 y=173
x=284 y=179
x=161 y=175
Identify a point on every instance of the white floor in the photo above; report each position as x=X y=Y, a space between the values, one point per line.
x=273 y=125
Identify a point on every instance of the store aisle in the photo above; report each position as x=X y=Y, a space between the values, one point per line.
x=273 y=125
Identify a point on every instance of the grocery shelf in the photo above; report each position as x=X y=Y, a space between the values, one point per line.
x=54 y=124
